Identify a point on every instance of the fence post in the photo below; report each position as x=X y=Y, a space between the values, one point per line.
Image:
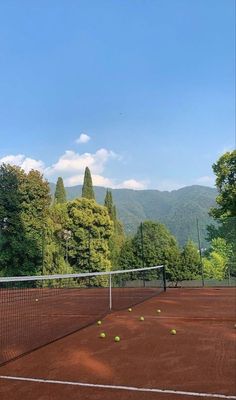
x=200 y=253
x=110 y=292
x=164 y=277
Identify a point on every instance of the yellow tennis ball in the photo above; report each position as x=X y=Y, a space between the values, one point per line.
x=102 y=335
x=173 y=332
x=99 y=322
x=117 y=338
x=129 y=309
x=141 y=318
x=158 y=311
x=36 y=299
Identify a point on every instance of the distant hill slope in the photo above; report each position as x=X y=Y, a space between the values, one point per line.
x=178 y=209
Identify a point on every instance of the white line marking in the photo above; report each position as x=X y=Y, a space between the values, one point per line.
x=128 y=388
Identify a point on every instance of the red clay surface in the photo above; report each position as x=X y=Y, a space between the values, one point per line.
x=201 y=357
x=31 y=318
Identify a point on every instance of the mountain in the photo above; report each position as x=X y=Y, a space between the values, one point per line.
x=178 y=209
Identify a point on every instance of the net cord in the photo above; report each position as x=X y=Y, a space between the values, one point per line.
x=80 y=275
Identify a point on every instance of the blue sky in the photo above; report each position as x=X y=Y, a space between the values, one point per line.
x=150 y=83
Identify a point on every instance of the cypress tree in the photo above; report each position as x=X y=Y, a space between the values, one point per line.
x=117 y=238
x=87 y=189
x=108 y=203
x=60 y=193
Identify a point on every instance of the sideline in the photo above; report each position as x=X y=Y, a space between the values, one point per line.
x=128 y=388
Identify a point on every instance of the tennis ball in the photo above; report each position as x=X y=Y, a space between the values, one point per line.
x=141 y=318
x=117 y=338
x=158 y=311
x=173 y=332
x=36 y=299
x=102 y=335
x=99 y=322
x=129 y=309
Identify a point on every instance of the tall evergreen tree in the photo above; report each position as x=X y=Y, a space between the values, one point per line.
x=108 y=203
x=117 y=239
x=87 y=189
x=60 y=193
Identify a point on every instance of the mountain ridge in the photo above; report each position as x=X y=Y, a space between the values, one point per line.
x=178 y=209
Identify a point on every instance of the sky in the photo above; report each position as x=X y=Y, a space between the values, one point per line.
x=140 y=91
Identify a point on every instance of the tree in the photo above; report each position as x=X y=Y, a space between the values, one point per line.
x=218 y=258
x=152 y=245
x=190 y=262
x=117 y=238
x=91 y=229
x=24 y=206
x=87 y=189
x=127 y=258
x=225 y=171
x=225 y=212
x=60 y=193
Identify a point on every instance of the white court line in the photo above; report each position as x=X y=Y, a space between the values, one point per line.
x=128 y=388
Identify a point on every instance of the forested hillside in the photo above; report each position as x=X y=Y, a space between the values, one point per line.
x=178 y=209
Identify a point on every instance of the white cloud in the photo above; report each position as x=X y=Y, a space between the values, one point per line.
x=132 y=184
x=207 y=180
x=98 y=180
x=26 y=163
x=83 y=138
x=71 y=163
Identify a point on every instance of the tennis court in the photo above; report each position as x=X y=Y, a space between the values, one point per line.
x=148 y=362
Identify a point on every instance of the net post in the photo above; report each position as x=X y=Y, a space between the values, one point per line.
x=110 y=293
x=164 y=277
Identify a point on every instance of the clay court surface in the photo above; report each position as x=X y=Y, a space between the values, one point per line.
x=199 y=359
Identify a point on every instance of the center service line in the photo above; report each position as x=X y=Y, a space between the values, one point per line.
x=128 y=388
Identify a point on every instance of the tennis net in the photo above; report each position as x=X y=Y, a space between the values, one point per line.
x=37 y=310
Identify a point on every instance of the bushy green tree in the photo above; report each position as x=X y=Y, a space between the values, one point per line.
x=60 y=192
x=87 y=189
x=190 y=262
x=127 y=258
x=152 y=245
x=217 y=261
x=24 y=206
x=225 y=171
x=91 y=229
x=225 y=212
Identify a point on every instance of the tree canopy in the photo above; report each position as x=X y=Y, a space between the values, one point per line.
x=24 y=205
x=225 y=171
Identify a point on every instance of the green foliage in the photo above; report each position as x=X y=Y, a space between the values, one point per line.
x=87 y=189
x=152 y=245
x=217 y=261
x=127 y=258
x=225 y=212
x=60 y=193
x=91 y=229
x=108 y=203
x=158 y=245
x=117 y=238
x=225 y=171
x=24 y=204
x=190 y=262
